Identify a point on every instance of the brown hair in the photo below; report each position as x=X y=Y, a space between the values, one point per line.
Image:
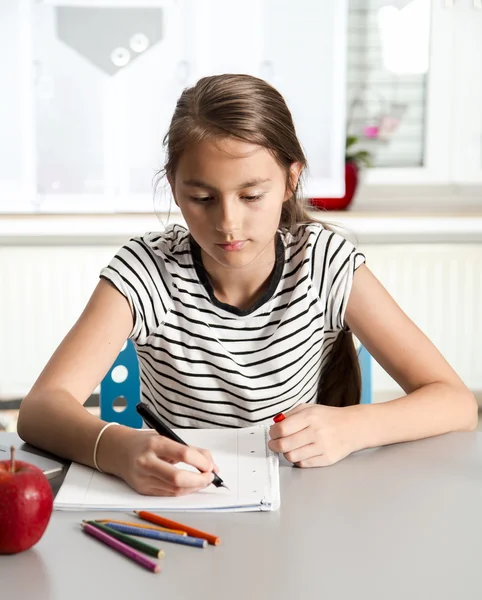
x=249 y=109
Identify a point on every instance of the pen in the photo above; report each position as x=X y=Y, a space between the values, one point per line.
x=151 y=419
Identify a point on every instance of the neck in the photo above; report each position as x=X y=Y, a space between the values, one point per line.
x=244 y=286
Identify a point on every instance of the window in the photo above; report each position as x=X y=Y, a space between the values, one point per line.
x=92 y=88
x=388 y=63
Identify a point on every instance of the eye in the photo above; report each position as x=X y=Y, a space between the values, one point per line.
x=252 y=198
x=201 y=200
x=206 y=199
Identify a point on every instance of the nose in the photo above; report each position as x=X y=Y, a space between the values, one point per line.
x=228 y=218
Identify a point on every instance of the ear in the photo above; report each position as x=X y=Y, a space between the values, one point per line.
x=172 y=184
x=294 y=174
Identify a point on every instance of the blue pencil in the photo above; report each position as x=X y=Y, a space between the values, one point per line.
x=158 y=535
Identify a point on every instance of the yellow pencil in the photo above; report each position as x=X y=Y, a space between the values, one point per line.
x=137 y=524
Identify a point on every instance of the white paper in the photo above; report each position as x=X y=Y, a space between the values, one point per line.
x=246 y=465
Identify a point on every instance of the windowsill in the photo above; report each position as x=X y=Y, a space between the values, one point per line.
x=115 y=229
x=379 y=214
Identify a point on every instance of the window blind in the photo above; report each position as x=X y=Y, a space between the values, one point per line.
x=388 y=49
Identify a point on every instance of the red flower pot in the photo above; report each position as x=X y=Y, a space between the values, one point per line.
x=351 y=182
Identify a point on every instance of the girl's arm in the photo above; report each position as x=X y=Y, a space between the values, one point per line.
x=437 y=401
x=52 y=416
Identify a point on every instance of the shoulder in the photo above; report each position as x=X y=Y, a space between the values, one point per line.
x=150 y=261
x=331 y=246
x=315 y=241
x=173 y=241
x=155 y=247
x=329 y=262
x=332 y=257
x=141 y=271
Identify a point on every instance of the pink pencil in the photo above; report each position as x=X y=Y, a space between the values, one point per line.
x=122 y=548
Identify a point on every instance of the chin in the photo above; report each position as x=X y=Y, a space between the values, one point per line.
x=235 y=262
x=234 y=259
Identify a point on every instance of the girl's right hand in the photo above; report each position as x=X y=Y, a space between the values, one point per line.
x=147 y=462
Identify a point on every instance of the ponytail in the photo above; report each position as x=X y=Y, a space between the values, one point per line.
x=340 y=382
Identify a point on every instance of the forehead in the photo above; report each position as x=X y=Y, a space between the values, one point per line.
x=228 y=159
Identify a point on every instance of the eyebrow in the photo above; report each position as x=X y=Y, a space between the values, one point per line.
x=202 y=184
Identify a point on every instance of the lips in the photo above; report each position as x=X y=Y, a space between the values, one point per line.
x=234 y=246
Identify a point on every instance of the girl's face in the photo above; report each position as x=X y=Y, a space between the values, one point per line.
x=231 y=194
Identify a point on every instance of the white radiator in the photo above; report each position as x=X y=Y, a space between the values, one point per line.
x=44 y=288
x=43 y=291
x=440 y=287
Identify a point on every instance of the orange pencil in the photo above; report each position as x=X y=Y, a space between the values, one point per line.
x=136 y=524
x=147 y=516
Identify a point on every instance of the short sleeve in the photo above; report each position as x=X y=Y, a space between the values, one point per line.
x=136 y=272
x=335 y=261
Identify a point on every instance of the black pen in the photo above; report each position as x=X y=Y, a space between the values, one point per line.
x=151 y=419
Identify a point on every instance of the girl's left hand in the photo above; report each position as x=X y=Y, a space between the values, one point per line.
x=313 y=435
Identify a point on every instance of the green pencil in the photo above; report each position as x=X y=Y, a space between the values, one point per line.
x=127 y=539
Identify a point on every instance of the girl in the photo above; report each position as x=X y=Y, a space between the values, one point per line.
x=247 y=313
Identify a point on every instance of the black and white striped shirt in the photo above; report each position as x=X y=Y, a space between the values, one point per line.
x=207 y=364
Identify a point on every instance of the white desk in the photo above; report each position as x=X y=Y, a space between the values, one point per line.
x=402 y=522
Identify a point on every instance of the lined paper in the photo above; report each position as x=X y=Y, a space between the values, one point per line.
x=246 y=465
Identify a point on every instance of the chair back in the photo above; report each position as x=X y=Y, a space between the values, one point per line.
x=366 y=375
x=120 y=390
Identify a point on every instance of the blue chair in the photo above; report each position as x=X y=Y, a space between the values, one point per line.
x=122 y=382
x=366 y=375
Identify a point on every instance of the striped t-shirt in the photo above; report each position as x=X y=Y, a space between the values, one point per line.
x=204 y=363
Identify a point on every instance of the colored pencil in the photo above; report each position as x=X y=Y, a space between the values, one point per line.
x=124 y=549
x=158 y=520
x=186 y=540
x=137 y=524
x=132 y=542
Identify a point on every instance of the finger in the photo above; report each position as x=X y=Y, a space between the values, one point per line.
x=303 y=453
x=208 y=455
x=291 y=424
x=291 y=442
x=322 y=460
x=166 y=473
x=150 y=486
x=172 y=492
x=190 y=455
x=181 y=478
x=175 y=452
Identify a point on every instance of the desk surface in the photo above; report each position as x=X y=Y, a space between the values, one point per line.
x=399 y=522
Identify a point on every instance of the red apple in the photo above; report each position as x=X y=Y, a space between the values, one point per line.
x=26 y=503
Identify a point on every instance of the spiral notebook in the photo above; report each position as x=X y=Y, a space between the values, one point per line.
x=246 y=464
